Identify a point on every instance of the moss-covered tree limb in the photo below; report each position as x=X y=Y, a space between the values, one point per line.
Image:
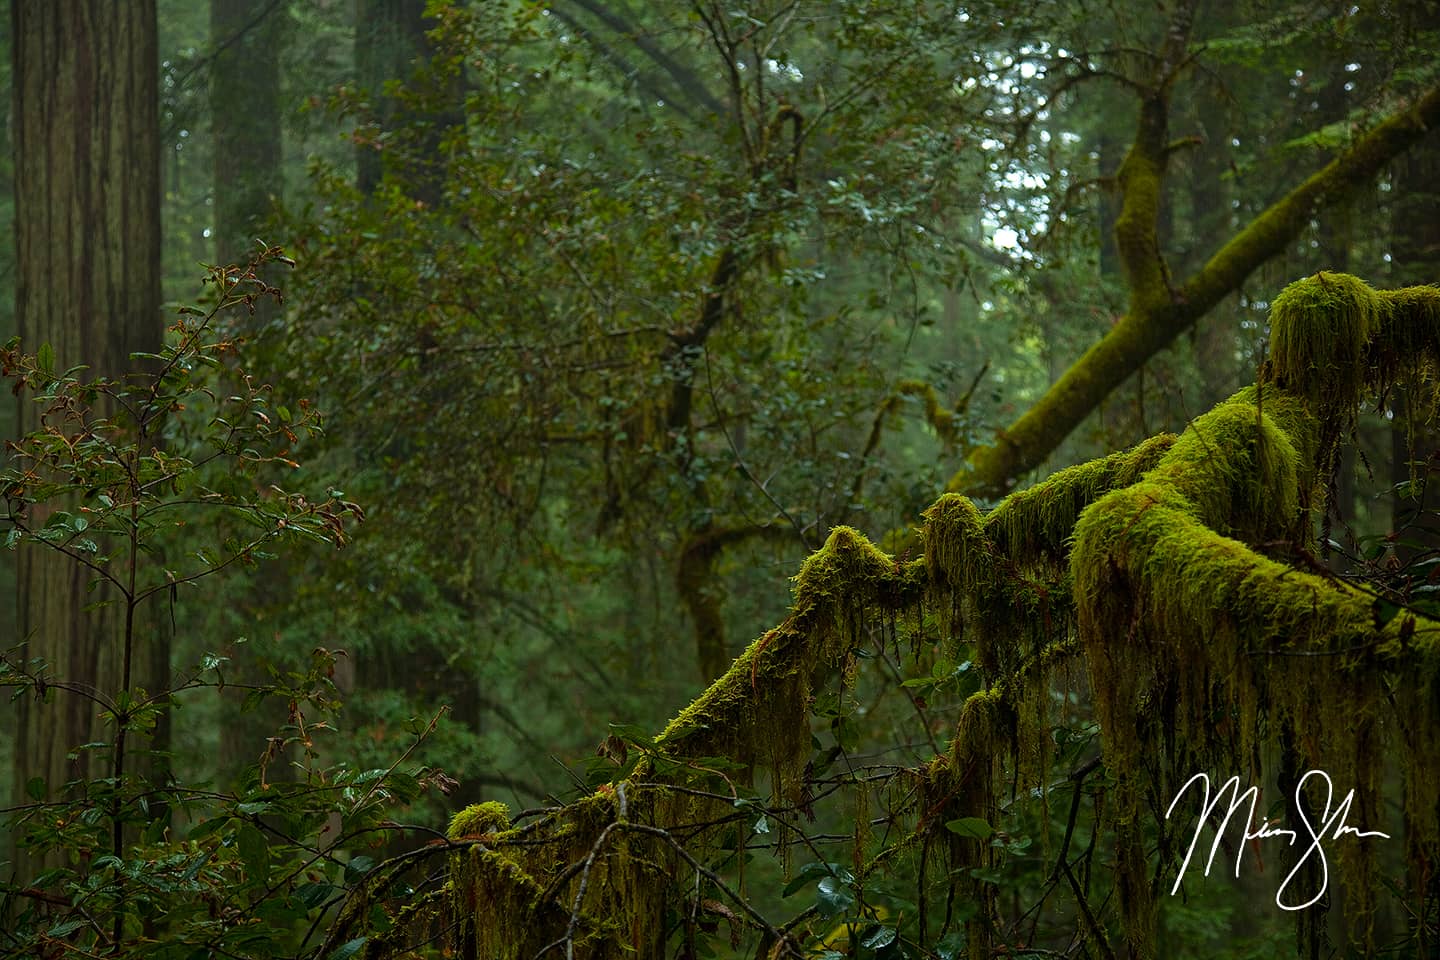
x=700 y=590
x=1200 y=636
x=1156 y=314
x=1184 y=618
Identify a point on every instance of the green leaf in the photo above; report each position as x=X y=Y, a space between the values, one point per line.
x=197 y=865
x=255 y=851
x=813 y=871
x=833 y=897
x=46 y=357
x=65 y=928
x=315 y=894
x=880 y=937
x=951 y=946
x=348 y=949
x=35 y=788
x=358 y=867
x=972 y=827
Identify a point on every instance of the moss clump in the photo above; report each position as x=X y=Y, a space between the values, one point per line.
x=1320 y=329
x=478 y=819
x=1198 y=646
x=1034 y=526
x=958 y=552
x=1335 y=342
x=1240 y=470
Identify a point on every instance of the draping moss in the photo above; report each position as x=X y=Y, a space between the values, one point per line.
x=1004 y=576
x=1320 y=329
x=1034 y=525
x=1198 y=645
x=756 y=713
x=1335 y=342
x=1173 y=567
x=516 y=890
x=1191 y=637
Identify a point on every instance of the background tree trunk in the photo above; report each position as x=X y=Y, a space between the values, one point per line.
x=87 y=194
x=389 y=43
x=246 y=37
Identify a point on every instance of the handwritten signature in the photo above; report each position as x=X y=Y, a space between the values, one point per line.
x=1332 y=826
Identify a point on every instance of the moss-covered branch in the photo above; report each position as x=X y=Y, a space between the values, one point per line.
x=1156 y=316
x=1184 y=619
x=1167 y=567
x=700 y=590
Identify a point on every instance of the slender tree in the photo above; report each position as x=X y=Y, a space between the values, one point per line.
x=87 y=235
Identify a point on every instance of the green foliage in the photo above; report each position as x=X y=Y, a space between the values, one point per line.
x=155 y=483
x=647 y=300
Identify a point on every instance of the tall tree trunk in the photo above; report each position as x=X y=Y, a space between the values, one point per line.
x=247 y=37
x=87 y=236
x=390 y=42
x=9 y=625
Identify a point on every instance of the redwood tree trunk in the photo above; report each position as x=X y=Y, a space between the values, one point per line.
x=245 y=114
x=247 y=36
x=391 y=44
x=87 y=237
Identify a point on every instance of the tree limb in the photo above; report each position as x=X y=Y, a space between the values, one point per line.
x=1153 y=321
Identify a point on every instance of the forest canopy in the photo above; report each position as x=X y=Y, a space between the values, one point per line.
x=868 y=479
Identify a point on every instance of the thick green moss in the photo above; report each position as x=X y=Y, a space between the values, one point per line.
x=1172 y=567
x=1320 y=329
x=479 y=818
x=1035 y=525
x=1198 y=646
